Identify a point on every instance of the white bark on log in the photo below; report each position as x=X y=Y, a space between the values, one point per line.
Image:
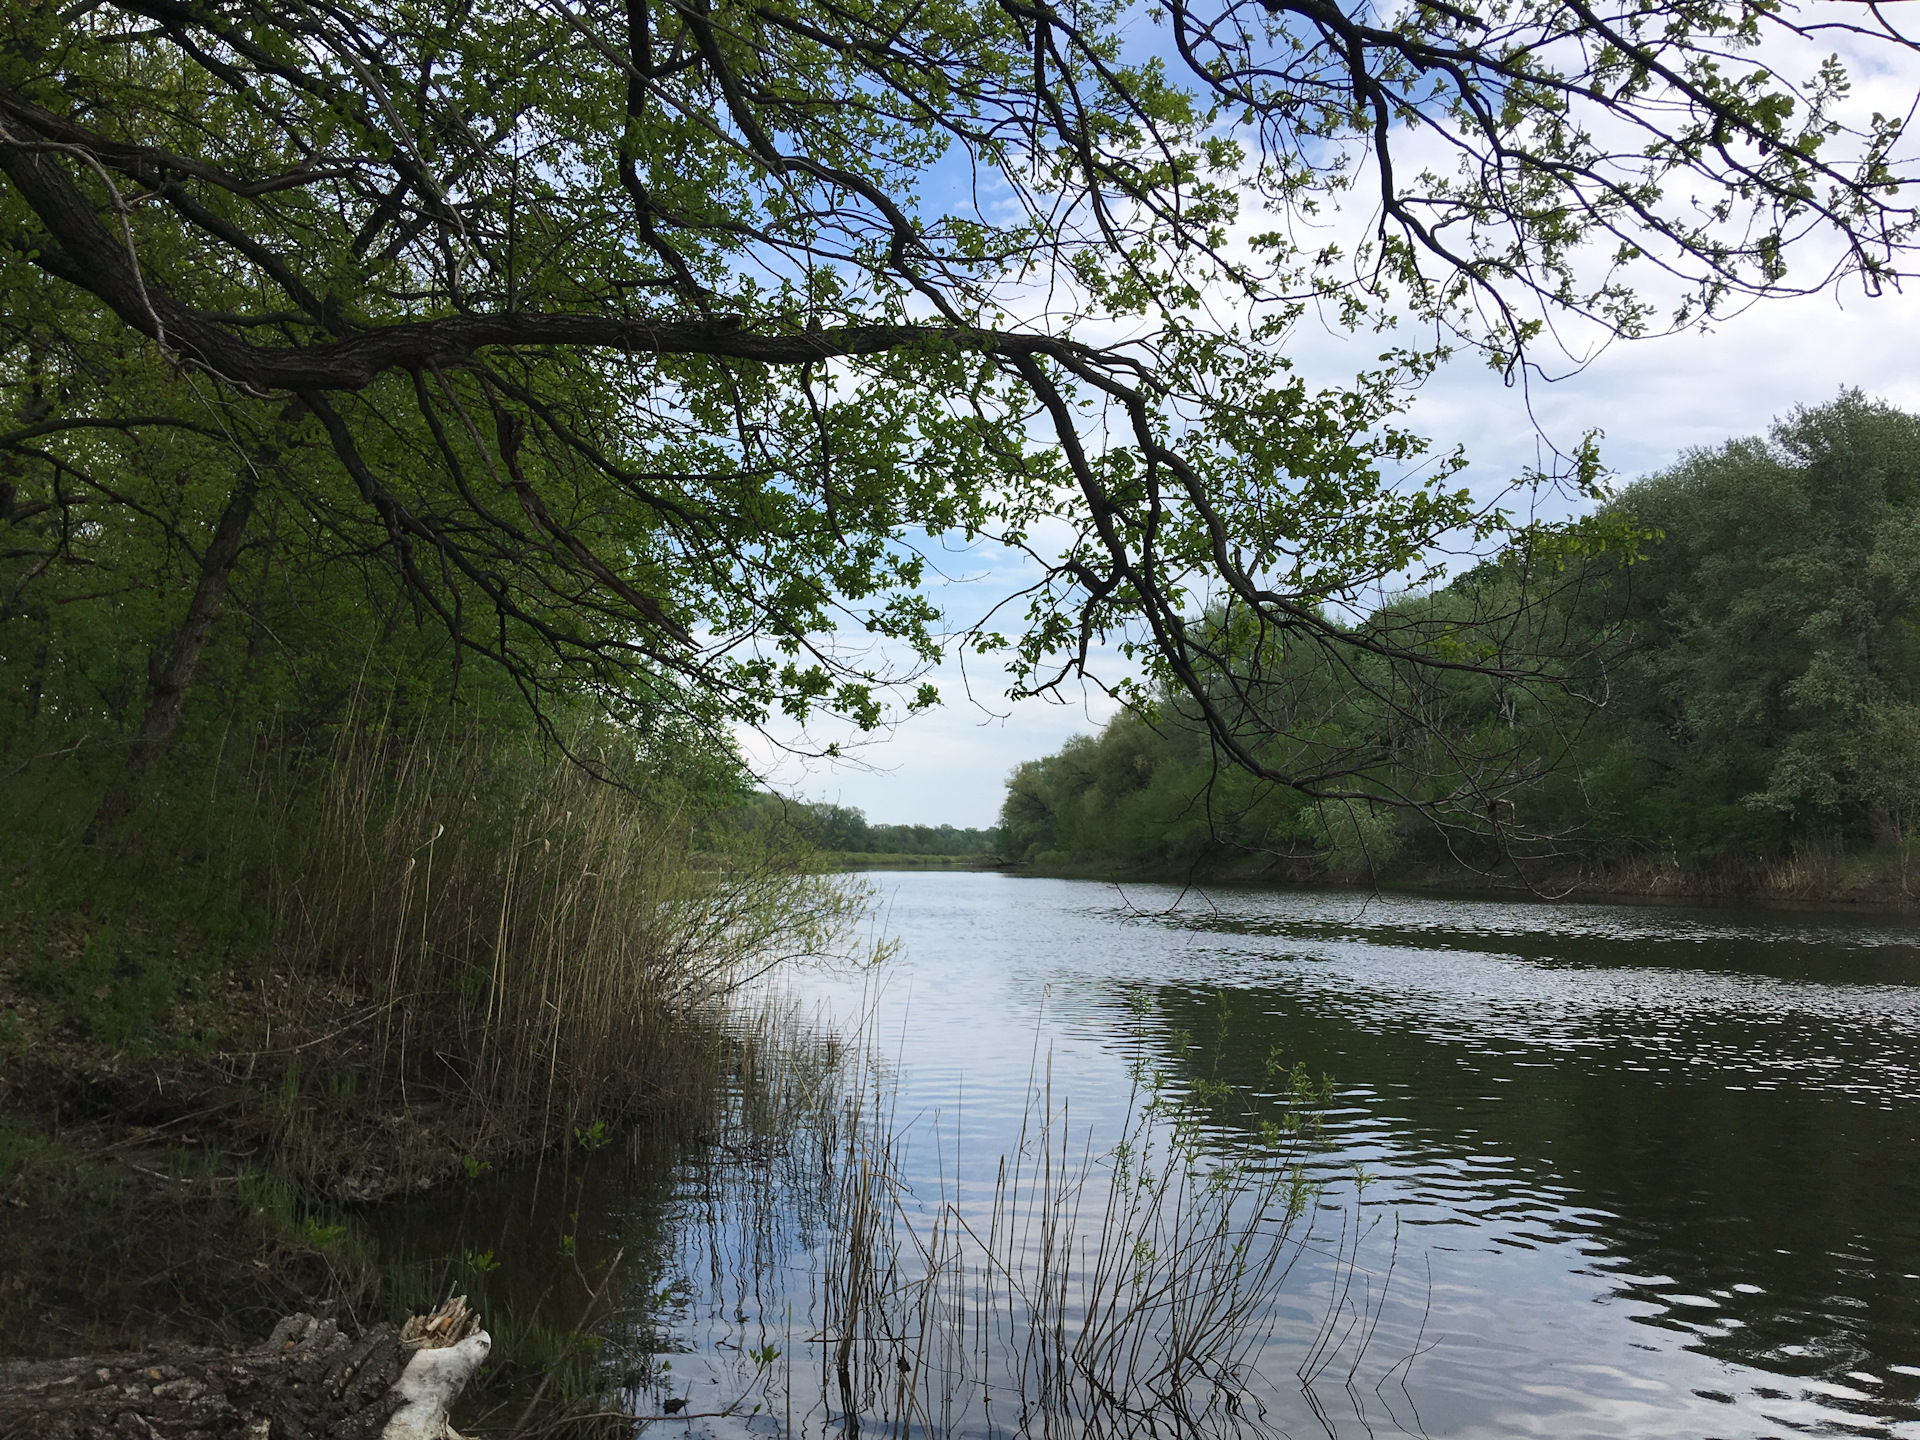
x=451 y=1347
x=307 y=1382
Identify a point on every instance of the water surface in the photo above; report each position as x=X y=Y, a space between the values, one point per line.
x=1654 y=1171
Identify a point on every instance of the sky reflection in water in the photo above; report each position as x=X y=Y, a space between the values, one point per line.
x=1656 y=1171
x=1664 y=1163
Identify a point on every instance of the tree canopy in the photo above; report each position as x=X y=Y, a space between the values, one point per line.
x=638 y=348
x=1758 y=661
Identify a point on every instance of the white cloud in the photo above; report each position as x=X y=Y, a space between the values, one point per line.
x=1653 y=399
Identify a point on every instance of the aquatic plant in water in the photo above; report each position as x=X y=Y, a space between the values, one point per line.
x=1091 y=1291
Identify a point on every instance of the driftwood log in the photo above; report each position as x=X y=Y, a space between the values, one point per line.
x=308 y=1381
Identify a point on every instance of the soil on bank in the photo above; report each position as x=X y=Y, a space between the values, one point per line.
x=185 y=1171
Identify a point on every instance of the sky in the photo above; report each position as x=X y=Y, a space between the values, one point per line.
x=1652 y=399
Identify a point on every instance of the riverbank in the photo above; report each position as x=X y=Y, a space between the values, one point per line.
x=231 y=1161
x=275 y=997
x=1872 y=879
x=148 y=1195
x=188 y=1174
x=890 y=860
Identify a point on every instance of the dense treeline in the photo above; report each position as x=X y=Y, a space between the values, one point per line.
x=845 y=830
x=1742 y=681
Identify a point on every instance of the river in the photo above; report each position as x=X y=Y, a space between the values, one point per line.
x=1617 y=1170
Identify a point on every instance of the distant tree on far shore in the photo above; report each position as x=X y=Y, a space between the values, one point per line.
x=1755 y=684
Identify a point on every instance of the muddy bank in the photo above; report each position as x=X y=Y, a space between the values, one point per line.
x=195 y=1182
x=152 y=1203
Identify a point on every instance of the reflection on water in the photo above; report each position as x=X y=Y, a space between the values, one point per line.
x=1656 y=1171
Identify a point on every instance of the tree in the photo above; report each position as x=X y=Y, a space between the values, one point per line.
x=1889 y=774
x=1757 y=656
x=1773 y=633
x=643 y=343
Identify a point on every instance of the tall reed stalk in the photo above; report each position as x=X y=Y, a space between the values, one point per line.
x=528 y=936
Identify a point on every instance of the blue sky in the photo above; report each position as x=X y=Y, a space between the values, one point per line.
x=1653 y=399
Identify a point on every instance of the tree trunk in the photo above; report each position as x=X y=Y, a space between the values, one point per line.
x=169 y=678
x=171 y=674
x=307 y=1382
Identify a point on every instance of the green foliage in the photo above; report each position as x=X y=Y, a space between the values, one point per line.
x=845 y=830
x=1767 y=631
x=323 y=1236
x=594 y=1136
x=1140 y=792
x=624 y=361
x=1742 y=675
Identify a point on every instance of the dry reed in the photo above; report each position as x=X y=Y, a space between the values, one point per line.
x=553 y=948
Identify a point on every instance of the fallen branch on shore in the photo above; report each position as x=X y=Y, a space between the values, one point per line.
x=308 y=1381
